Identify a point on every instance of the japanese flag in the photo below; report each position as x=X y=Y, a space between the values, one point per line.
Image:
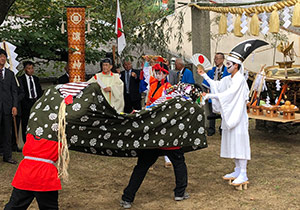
x=119 y=30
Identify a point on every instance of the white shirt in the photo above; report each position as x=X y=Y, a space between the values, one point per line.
x=28 y=84
x=217 y=72
x=3 y=72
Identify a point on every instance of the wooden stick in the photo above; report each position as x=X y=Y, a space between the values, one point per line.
x=114 y=53
x=16 y=130
x=284 y=88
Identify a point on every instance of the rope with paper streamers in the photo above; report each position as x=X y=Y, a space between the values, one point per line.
x=254 y=11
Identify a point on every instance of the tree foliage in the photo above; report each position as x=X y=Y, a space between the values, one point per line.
x=34 y=27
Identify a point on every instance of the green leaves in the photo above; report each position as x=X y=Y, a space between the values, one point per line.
x=34 y=27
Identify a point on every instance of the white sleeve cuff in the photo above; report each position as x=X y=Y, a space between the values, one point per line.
x=211 y=96
x=205 y=77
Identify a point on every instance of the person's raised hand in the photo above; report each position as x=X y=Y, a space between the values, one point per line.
x=107 y=89
x=200 y=70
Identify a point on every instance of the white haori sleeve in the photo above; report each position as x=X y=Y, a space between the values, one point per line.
x=216 y=87
x=232 y=101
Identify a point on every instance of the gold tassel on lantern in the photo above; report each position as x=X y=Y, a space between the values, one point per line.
x=237 y=26
x=274 y=22
x=223 y=24
x=296 y=15
x=254 y=25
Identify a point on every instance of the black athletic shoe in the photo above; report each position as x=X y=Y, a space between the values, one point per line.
x=184 y=197
x=125 y=204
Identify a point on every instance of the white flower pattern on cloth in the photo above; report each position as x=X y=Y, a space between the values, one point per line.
x=184 y=135
x=95 y=123
x=52 y=116
x=74 y=139
x=127 y=132
x=102 y=127
x=135 y=124
x=192 y=110
x=93 y=142
x=197 y=141
x=199 y=118
x=173 y=122
x=93 y=107
x=38 y=105
x=153 y=115
x=161 y=143
x=164 y=119
x=136 y=144
x=107 y=136
x=178 y=106
x=93 y=150
x=146 y=129
x=146 y=137
x=47 y=108
x=133 y=153
x=84 y=118
x=100 y=98
x=54 y=127
x=39 y=131
x=47 y=93
x=120 y=143
x=163 y=131
x=82 y=128
x=181 y=126
x=31 y=115
x=109 y=152
x=76 y=107
x=201 y=130
x=175 y=142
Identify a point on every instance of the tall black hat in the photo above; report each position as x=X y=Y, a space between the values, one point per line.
x=240 y=52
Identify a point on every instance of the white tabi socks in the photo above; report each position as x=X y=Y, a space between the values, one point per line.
x=236 y=172
x=242 y=177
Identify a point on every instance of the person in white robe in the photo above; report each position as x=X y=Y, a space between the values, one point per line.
x=111 y=85
x=229 y=97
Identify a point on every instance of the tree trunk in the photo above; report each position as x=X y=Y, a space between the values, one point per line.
x=4 y=7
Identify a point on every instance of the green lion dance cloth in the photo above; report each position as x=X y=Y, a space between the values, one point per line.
x=93 y=126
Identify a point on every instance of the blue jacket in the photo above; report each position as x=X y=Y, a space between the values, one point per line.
x=187 y=76
x=211 y=74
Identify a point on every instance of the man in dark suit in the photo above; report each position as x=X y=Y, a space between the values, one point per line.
x=8 y=106
x=131 y=79
x=65 y=77
x=33 y=92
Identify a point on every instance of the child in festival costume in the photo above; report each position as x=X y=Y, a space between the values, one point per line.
x=158 y=84
x=37 y=176
x=229 y=97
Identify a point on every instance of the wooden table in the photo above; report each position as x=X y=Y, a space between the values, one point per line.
x=275 y=119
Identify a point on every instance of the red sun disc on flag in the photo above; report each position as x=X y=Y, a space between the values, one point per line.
x=201 y=59
x=119 y=27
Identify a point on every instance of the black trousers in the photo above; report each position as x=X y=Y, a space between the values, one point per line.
x=146 y=158
x=130 y=105
x=5 y=130
x=25 y=116
x=212 y=122
x=21 y=199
